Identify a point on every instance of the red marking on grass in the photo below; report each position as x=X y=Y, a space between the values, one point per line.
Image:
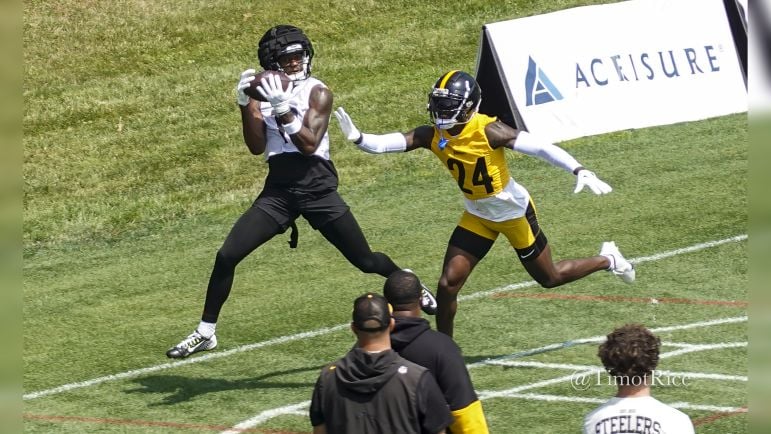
x=152 y=423
x=713 y=417
x=619 y=298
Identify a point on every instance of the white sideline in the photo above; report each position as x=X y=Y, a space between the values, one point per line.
x=326 y=330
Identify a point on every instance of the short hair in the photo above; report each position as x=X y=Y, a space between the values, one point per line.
x=402 y=289
x=630 y=351
x=371 y=313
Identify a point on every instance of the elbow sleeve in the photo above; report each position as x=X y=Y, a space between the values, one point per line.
x=531 y=144
x=382 y=143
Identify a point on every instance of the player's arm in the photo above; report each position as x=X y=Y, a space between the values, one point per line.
x=316 y=411
x=253 y=125
x=420 y=137
x=306 y=135
x=455 y=382
x=433 y=412
x=500 y=134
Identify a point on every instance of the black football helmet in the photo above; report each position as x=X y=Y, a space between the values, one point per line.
x=454 y=99
x=282 y=40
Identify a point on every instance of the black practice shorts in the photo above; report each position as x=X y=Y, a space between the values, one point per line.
x=284 y=205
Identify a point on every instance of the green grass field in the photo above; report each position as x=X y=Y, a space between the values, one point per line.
x=134 y=171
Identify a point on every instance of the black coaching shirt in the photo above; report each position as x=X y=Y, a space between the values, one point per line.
x=378 y=393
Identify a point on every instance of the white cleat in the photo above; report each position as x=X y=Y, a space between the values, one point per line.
x=194 y=343
x=618 y=264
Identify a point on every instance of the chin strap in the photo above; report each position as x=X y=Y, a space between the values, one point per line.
x=300 y=76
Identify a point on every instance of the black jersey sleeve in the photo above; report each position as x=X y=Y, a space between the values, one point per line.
x=433 y=411
x=452 y=375
x=317 y=400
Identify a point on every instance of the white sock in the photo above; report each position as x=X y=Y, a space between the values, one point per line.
x=612 y=261
x=206 y=329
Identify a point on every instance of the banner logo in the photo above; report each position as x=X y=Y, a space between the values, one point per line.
x=538 y=88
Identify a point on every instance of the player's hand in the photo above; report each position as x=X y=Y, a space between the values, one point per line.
x=346 y=124
x=585 y=178
x=246 y=78
x=272 y=90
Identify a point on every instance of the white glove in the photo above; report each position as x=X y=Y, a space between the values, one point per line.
x=346 y=124
x=587 y=178
x=245 y=81
x=271 y=89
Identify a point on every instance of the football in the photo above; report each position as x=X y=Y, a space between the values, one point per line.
x=252 y=89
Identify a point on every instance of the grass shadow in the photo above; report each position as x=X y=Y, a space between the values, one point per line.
x=180 y=388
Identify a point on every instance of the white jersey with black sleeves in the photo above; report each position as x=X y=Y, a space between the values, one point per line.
x=278 y=141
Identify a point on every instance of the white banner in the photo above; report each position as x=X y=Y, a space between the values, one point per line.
x=634 y=64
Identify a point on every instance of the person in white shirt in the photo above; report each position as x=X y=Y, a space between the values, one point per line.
x=630 y=354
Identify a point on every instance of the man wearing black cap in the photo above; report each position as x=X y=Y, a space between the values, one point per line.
x=414 y=340
x=372 y=388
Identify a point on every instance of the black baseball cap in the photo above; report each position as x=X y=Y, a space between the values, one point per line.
x=371 y=313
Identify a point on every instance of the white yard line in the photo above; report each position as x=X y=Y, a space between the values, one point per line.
x=677 y=344
x=696 y=348
x=659 y=372
x=201 y=358
x=703 y=376
x=585 y=371
x=300 y=407
x=560 y=398
x=643 y=259
x=597 y=339
x=693 y=248
x=327 y=330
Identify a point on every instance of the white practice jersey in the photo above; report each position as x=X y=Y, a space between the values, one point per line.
x=278 y=142
x=644 y=414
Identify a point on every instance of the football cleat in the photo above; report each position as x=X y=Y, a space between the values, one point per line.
x=427 y=299
x=194 y=343
x=618 y=264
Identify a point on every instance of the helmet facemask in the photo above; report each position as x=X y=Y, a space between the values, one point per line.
x=305 y=61
x=454 y=100
x=447 y=110
x=285 y=40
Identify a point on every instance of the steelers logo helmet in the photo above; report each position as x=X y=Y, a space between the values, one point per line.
x=454 y=99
